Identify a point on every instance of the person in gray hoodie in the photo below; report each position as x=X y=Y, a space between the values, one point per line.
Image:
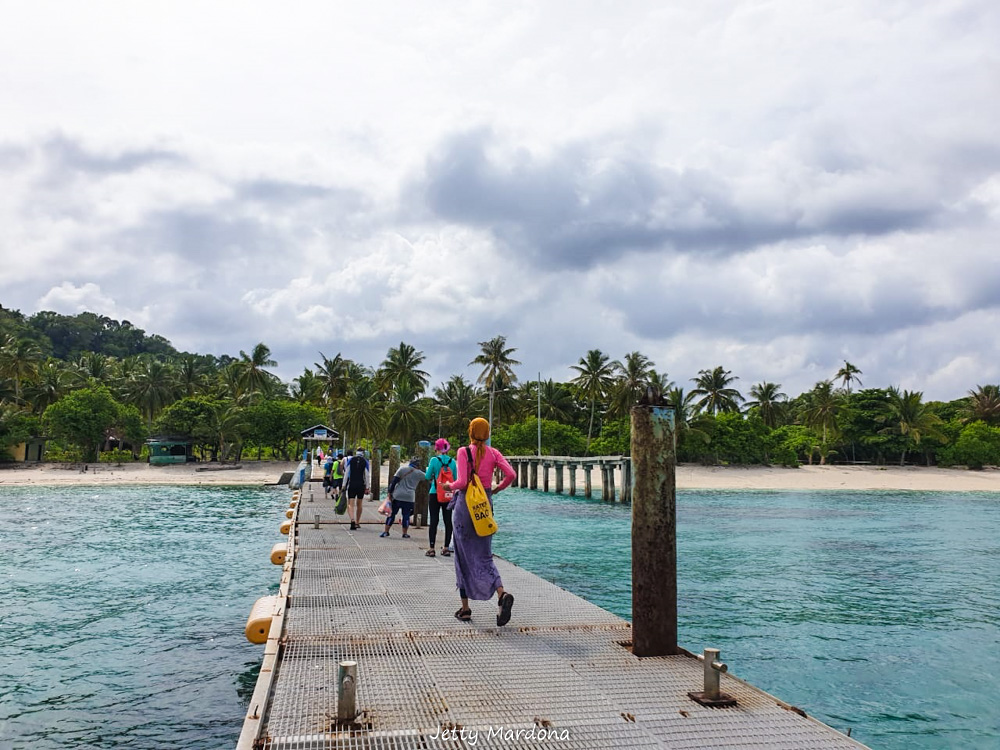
x=402 y=494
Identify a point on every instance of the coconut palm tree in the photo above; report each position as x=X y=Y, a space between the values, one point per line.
x=713 y=387
x=361 y=413
x=406 y=414
x=497 y=364
x=459 y=402
x=769 y=403
x=848 y=374
x=558 y=403
x=151 y=387
x=19 y=361
x=333 y=373
x=402 y=362
x=53 y=382
x=192 y=375
x=227 y=423
x=911 y=418
x=822 y=408
x=92 y=368
x=593 y=381
x=686 y=419
x=307 y=388
x=984 y=405
x=254 y=379
x=633 y=378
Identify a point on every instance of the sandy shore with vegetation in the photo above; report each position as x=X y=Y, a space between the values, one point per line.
x=257 y=473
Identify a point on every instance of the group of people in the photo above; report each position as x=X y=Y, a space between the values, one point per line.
x=476 y=575
x=348 y=475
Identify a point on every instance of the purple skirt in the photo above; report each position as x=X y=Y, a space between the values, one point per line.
x=475 y=570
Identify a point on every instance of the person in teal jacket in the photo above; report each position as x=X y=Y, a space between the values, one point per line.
x=438 y=504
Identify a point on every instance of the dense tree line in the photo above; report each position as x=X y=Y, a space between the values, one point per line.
x=85 y=380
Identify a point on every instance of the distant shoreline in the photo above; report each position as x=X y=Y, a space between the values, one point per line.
x=689 y=476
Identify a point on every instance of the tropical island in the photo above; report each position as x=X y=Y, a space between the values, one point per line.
x=95 y=389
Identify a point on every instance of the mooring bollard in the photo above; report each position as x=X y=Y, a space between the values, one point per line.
x=711 y=695
x=347 y=690
x=654 y=532
x=376 y=473
x=316 y=522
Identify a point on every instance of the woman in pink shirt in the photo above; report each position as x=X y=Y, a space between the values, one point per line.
x=476 y=574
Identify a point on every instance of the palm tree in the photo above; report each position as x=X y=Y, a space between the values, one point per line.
x=557 y=402
x=192 y=377
x=334 y=375
x=361 y=413
x=52 y=383
x=713 y=386
x=769 y=402
x=593 y=381
x=913 y=420
x=633 y=379
x=459 y=403
x=848 y=374
x=823 y=406
x=497 y=364
x=151 y=387
x=660 y=382
x=406 y=415
x=686 y=421
x=403 y=362
x=307 y=388
x=226 y=422
x=253 y=378
x=19 y=361
x=984 y=405
x=92 y=367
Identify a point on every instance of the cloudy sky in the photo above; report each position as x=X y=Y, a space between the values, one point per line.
x=773 y=186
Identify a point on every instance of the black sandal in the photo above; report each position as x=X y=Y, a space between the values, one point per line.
x=430 y=552
x=465 y=615
x=446 y=552
x=506 y=604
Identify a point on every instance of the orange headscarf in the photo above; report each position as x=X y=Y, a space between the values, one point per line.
x=479 y=433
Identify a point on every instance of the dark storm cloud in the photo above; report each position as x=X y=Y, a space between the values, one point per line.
x=577 y=208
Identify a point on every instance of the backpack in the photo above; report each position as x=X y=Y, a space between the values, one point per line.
x=444 y=475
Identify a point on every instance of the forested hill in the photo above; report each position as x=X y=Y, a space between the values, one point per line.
x=66 y=337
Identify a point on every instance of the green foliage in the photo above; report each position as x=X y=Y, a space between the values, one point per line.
x=278 y=424
x=977 y=445
x=615 y=439
x=16 y=426
x=522 y=439
x=71 y=335
x=793 y=443
x=736 y=440
x=84 y=419
x=116 y=456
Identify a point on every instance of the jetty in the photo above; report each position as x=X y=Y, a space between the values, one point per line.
x=362 y=650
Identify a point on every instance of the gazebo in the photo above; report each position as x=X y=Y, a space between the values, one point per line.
x=319 y=435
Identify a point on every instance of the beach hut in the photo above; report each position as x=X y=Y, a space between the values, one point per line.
x=170 y=450
x=31 y=450
x=319 y=435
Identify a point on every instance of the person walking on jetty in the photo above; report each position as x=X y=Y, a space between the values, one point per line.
x=476 y=574
x=437 y=501
x=403 y=494
x=327 y=473
x=337 y=477
x=357 y=484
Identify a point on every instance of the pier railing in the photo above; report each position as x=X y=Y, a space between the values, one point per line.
x=533 y=473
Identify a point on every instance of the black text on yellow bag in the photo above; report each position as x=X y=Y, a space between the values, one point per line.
x=478 y=503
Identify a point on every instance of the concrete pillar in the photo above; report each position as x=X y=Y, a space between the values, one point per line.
x=572 y=478
x=533 y=477
x=588 y=488
x=517 y=474
x=423 y=488
x=524 y=474
x=654 y=532
x=545 y=476
x=559 y=477
x=611 y=483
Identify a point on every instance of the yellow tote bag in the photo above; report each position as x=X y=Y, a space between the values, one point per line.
x=479 y=503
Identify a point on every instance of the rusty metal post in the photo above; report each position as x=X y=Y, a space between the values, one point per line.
x=393 y=460
x=376 y=470
x=347 y=688
x=588 y=487
x=423 y=488
x=654 y=532
x=559 y=477
x=572 y=479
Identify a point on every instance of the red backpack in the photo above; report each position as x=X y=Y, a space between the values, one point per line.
x=444 y=475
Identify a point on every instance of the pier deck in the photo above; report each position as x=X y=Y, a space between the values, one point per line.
x=426 y=680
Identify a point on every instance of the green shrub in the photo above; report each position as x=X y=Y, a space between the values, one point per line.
x=116 y=456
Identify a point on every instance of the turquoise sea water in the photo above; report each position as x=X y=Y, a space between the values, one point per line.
x=124 y=607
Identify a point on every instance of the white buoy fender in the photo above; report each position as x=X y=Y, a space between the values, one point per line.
x=259 y=622
x=286 y=526
x=289 y=513
x=278 y=553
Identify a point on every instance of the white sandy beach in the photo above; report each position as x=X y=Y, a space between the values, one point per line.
x=256 y=473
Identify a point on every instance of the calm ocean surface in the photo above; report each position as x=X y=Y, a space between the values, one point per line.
x=123 y=608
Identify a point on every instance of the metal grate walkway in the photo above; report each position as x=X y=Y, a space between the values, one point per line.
x=559 y=676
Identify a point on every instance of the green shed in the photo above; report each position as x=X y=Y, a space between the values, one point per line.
x=167 y=450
